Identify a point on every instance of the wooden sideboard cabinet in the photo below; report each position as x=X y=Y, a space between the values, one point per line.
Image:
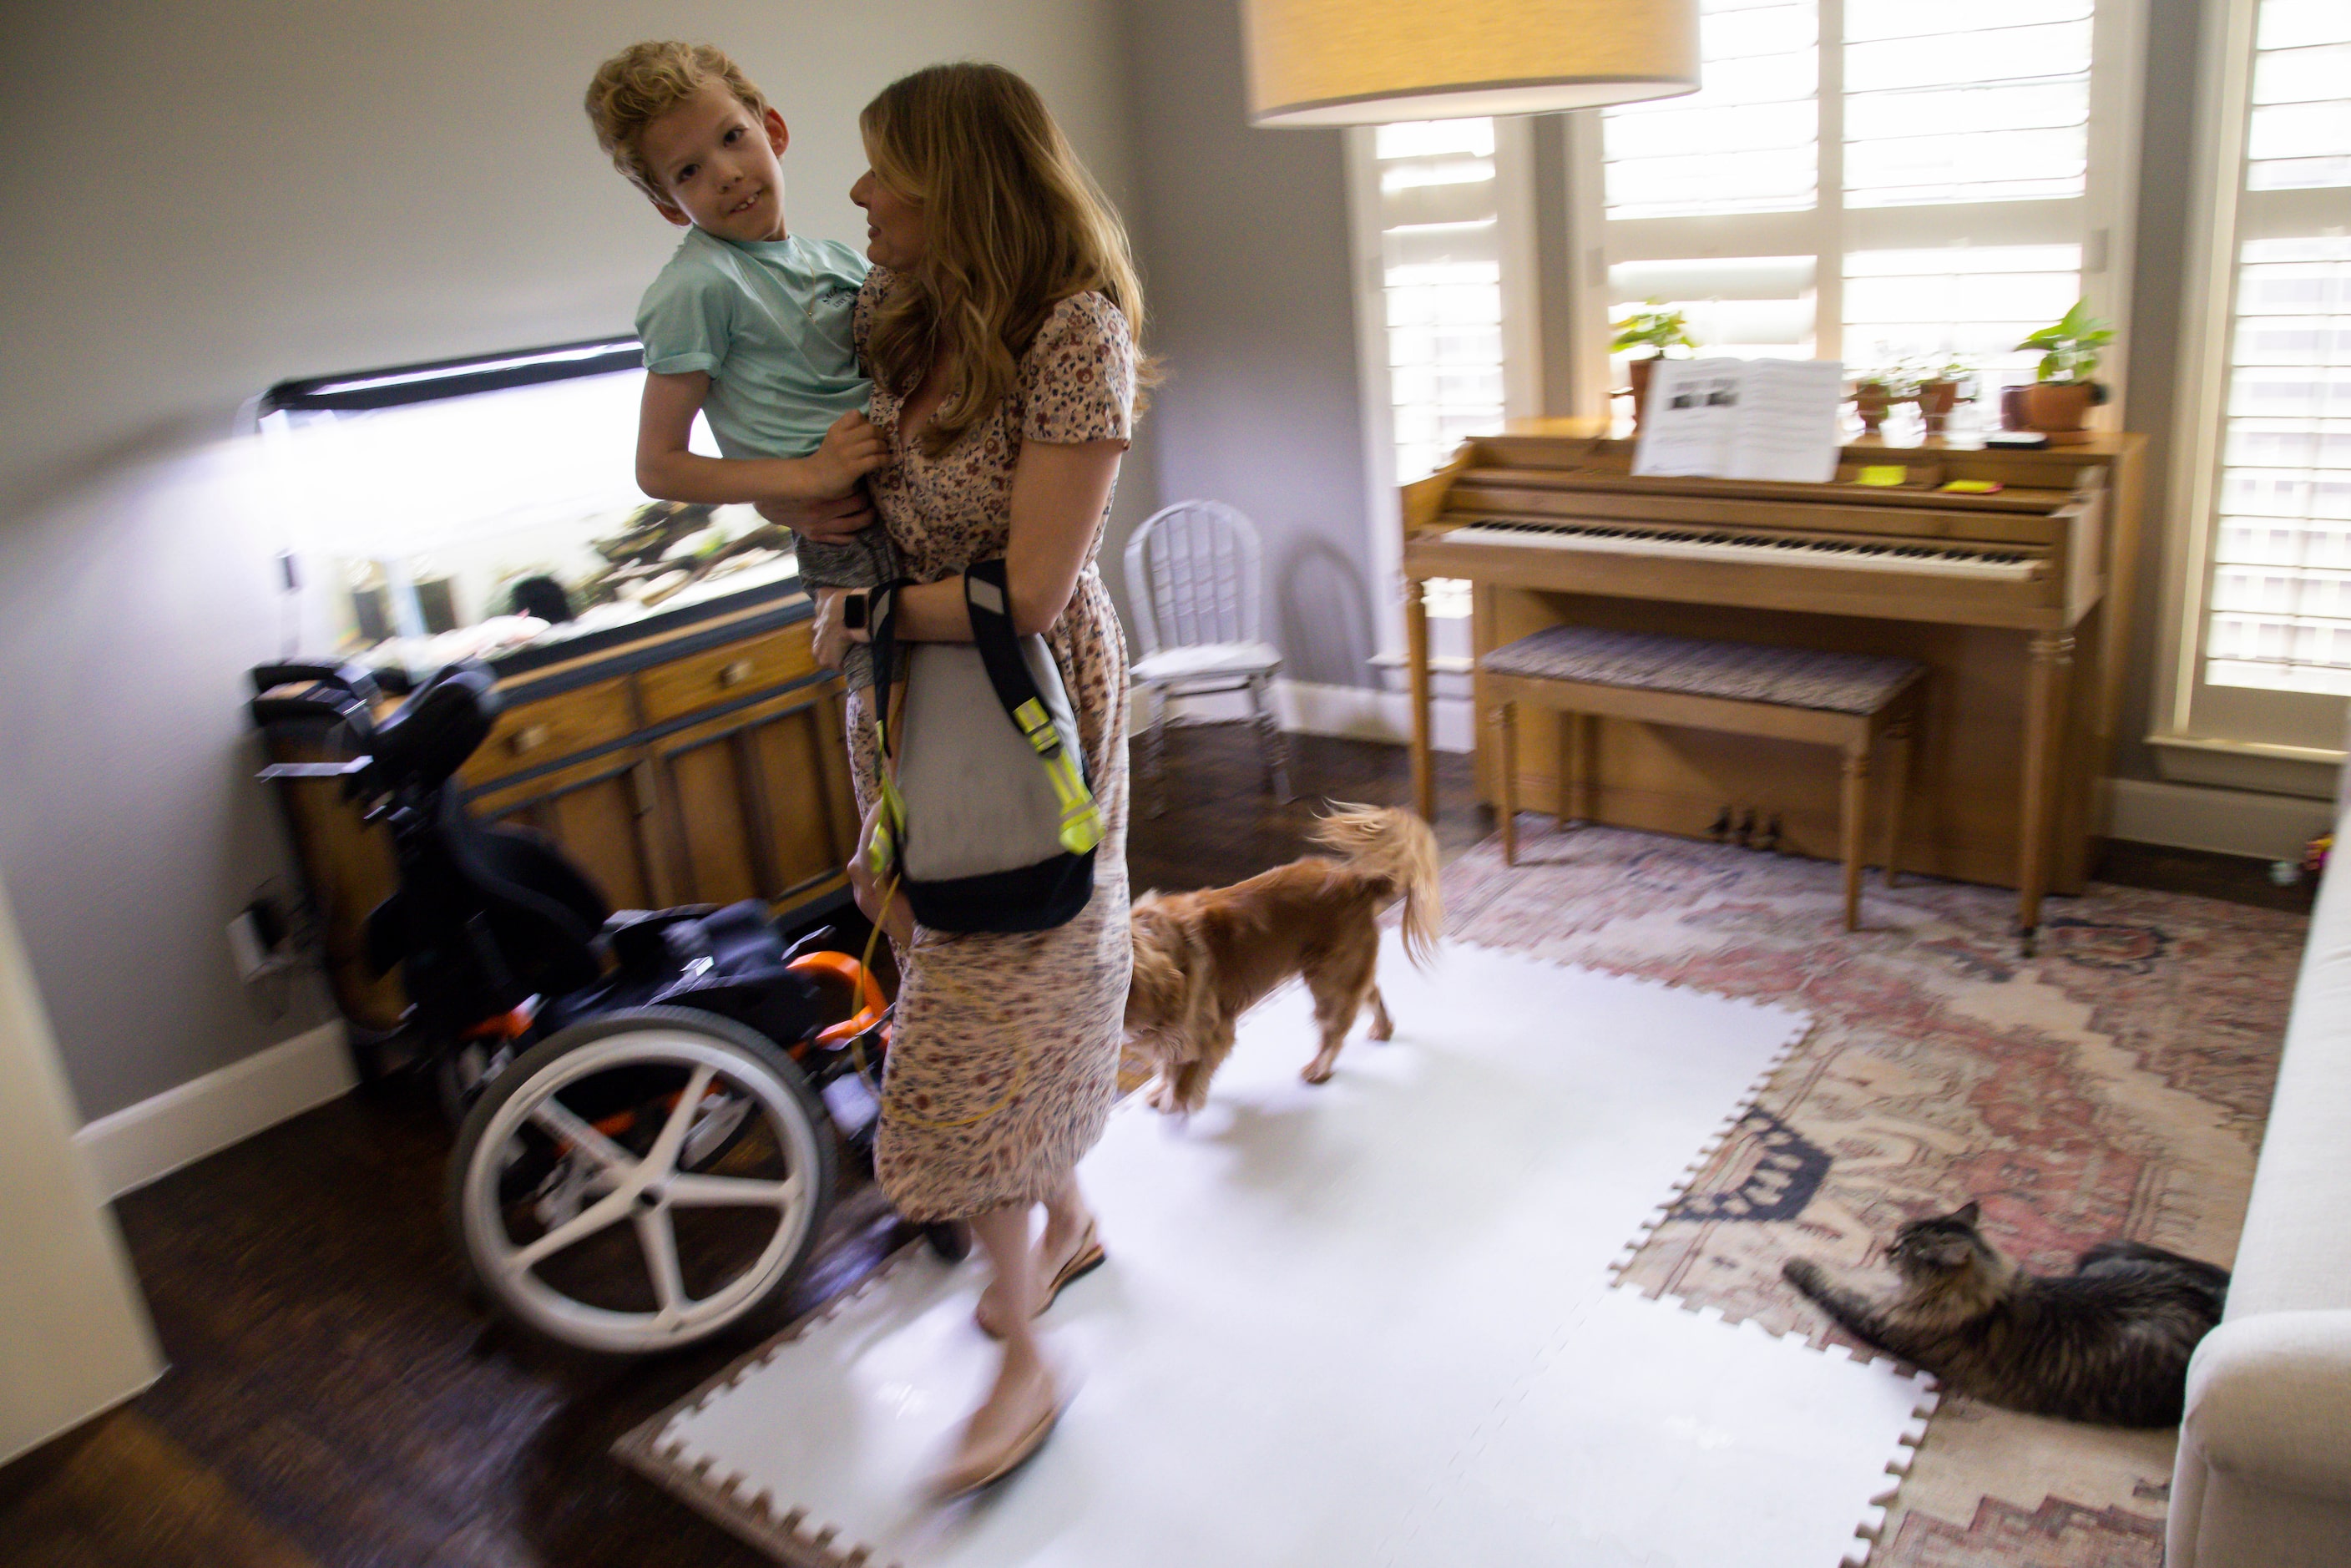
x=705 y=765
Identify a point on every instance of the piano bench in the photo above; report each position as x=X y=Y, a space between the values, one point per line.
x=1850 y=701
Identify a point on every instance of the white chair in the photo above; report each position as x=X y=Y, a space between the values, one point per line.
x=1191 y=575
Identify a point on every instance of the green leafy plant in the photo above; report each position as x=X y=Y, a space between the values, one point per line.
x=2069 y=346
x=1927 y=369
x=1656 y=330
x=1904 y=376
x=1899 y=382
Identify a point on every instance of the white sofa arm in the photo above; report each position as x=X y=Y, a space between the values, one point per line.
x=2269 y=1402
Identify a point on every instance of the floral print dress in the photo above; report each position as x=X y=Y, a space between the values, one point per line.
x=1003 y=1054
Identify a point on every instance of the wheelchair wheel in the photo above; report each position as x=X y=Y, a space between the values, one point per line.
x=641 y=1182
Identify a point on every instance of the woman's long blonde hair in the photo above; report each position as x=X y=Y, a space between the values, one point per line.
x=1013 y=223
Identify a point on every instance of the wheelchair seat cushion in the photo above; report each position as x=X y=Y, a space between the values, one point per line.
x=661 y=943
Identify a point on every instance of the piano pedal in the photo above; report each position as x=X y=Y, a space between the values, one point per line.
x=1768 y=839
x=1720 y=831
x=1745 y=837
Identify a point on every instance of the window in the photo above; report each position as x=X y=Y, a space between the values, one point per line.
x=1747 y=142
x=2265 y=630
x=2281 y=554
x=1874 y=181
x=1441 y=276
x=1443 y=215
x=1986 y=102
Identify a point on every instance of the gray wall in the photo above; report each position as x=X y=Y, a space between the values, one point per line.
x=203 y=199
x=1245 y=248
x=2159 y=287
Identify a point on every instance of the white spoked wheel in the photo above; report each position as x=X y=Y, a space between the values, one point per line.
x=641 y=1181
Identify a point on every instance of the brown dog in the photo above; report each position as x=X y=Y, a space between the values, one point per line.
x=1202 y=959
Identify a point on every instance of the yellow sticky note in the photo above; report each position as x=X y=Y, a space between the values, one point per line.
x=1882 y=474
x=1973 y=487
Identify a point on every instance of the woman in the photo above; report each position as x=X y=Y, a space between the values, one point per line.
x=998 y=327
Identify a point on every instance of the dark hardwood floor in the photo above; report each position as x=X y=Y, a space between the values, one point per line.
x=333 y=1398
x=2232 y=879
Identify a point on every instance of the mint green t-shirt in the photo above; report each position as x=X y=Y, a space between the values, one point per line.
x=769 y=320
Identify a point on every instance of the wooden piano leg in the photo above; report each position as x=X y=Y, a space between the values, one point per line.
x=2045 y=713
x=1897 y=768
x=1506 y=768
x=1567 y=734
x=1416 y=636
x=1853 y=813
x=1587 y=769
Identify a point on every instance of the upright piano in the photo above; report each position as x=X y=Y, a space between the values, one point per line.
x=2016 y=598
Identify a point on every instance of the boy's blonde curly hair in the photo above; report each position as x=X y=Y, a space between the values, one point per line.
x=645 y=81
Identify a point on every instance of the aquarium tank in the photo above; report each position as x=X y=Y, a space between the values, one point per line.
x=473 y=507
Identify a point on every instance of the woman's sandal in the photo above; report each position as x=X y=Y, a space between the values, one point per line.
x=969 y=1472
x=1087 y=1257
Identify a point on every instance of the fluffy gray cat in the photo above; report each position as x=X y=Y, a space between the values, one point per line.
x=2108 y=1343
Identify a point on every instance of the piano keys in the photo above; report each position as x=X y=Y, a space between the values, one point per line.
x=1977 y=561
x=2014 y=597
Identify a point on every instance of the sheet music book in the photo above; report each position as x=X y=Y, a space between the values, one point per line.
x=1742 y=419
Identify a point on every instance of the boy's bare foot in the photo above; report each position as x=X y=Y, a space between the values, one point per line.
x=1012 y=1424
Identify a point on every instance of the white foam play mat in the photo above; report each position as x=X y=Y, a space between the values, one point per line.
x=1371 y=1323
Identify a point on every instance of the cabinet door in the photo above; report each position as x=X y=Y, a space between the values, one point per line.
x=600 y=813
x=757 y=803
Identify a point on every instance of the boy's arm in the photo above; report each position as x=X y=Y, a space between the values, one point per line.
x=667 y=471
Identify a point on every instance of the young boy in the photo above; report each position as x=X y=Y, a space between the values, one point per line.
x=748 y=324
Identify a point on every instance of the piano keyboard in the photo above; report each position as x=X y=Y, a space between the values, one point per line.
x=1858 y=554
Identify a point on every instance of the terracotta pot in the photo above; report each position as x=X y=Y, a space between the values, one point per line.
x=1871 y=401
x=2058 y=406
x=1640 y=369
x=1936 y=401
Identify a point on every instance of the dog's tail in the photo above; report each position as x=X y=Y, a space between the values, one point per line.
x=1397 y=848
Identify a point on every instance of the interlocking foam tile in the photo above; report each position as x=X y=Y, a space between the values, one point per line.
x=1370 y=1322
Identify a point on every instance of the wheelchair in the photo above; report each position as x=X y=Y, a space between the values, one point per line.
x=647 y=1104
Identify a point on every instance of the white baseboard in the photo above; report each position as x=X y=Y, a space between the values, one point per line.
x=179 y=1126
x=1361 y=713
x=2227 y=821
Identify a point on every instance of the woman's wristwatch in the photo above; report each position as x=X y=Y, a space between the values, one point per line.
x=853 y=605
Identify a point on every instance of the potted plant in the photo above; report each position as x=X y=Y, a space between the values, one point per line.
x=2064 y=389
x=1875 y=392
x=1656 y=330
x=1941 y=388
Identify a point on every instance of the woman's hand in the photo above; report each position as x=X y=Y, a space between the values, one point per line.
x=832 y=521
x=900 y=925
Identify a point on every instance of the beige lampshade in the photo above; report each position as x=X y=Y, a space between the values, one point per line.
x=1368 y=62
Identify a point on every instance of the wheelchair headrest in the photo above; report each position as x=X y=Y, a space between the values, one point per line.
x=305 y=698
x=429 y=737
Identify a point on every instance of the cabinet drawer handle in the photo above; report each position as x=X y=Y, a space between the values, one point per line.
x=529 y=738
x=734 y=674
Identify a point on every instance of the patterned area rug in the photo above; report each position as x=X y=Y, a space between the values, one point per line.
x=2114 y=1085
